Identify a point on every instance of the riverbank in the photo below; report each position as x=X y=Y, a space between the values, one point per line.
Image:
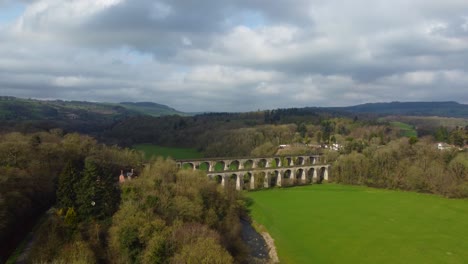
x=261 y=244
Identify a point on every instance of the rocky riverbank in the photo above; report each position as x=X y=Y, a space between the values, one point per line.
x=262 y=247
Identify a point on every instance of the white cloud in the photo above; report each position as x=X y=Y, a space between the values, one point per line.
x=237 y=55
x=160 y=11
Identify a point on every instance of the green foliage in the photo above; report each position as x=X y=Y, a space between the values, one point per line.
x=404 y=164
x=265 y=150
x=327 y=129
x=406 y=130
x=302 y=129
x=458 y=137
x=203 y=250
x=34 y=115
x=441 y=134
x=413 y=140
x=37 y=168
x=96 y=192
x=448 y=109
x=56 y=241
x=152 y=151
x=67 y=182
x=70 y=217
x=332 y=223
x=167 y=211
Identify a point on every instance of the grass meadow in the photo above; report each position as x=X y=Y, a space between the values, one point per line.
x=332 y=223
x=176 y=153
x=406 y=129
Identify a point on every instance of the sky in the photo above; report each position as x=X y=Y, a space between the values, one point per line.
x=235 y=55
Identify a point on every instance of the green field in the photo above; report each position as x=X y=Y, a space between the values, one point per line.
x=406 y=129
x=332 y=223
x=175 y=153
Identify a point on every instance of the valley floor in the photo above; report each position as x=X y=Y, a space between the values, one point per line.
x=333 y=223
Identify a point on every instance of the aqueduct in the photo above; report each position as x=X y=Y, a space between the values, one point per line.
x=263 y=172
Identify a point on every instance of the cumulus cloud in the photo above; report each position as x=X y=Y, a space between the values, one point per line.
x=236 y=55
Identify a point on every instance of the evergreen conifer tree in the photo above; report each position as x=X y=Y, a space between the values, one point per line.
x=86 y=191
x=67 y=180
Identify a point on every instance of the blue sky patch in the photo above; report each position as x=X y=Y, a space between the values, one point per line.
x=11 y=12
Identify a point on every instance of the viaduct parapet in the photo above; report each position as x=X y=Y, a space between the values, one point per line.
x=262 y=172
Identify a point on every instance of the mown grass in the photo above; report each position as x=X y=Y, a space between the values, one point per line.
x=406 y=129
x=176 y=153
x=332 y=223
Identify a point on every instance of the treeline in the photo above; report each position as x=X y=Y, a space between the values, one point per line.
x=186 y=131
x=406 y=164
x=166 y=215
x=457 y=136
x=30 y=165
x=263 y=140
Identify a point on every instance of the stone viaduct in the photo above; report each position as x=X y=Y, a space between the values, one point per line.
x=263 y=172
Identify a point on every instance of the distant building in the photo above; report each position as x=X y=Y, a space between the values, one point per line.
x=129 y=175
x=443 y=146
x=121 y=177
x=334 y=146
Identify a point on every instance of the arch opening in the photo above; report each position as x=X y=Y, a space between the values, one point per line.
x=234 y=165
x=261 y=163
x=310 y=175
x=248 y=164
x=204 y=166
x=273 y=180
x=321 y=175
x=188 y=166
x=219 y=166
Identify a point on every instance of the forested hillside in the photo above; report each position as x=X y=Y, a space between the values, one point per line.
x=165 y=215
x=33 y=165
x=446 y=109
x=28 y=115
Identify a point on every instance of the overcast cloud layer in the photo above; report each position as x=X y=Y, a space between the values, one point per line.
x=210 y=55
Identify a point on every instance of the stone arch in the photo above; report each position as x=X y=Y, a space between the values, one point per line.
x=234 y=165
x=299 y=176
x=288 y=177
x=261 y=163
x=274 y=178
x=260 y=179
x=231 y=180
x=219 y=165
x=288 y=161
x=299 y=161
x=321 y=174
x=248 y=164
x=219 y=179
x=310 y=175
x=188 y=165
x=276 y=162
x=247 y=180
x=204 y=166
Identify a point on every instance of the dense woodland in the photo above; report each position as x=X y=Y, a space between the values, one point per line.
x=95 y=220
x=165 y=216
x=406 y=164
x=33 y=169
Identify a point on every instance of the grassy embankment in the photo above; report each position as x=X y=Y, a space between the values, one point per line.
x=332 y=223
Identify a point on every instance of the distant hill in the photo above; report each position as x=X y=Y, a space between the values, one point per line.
x=445 y=109
x=152 y=109
x=86 y=117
